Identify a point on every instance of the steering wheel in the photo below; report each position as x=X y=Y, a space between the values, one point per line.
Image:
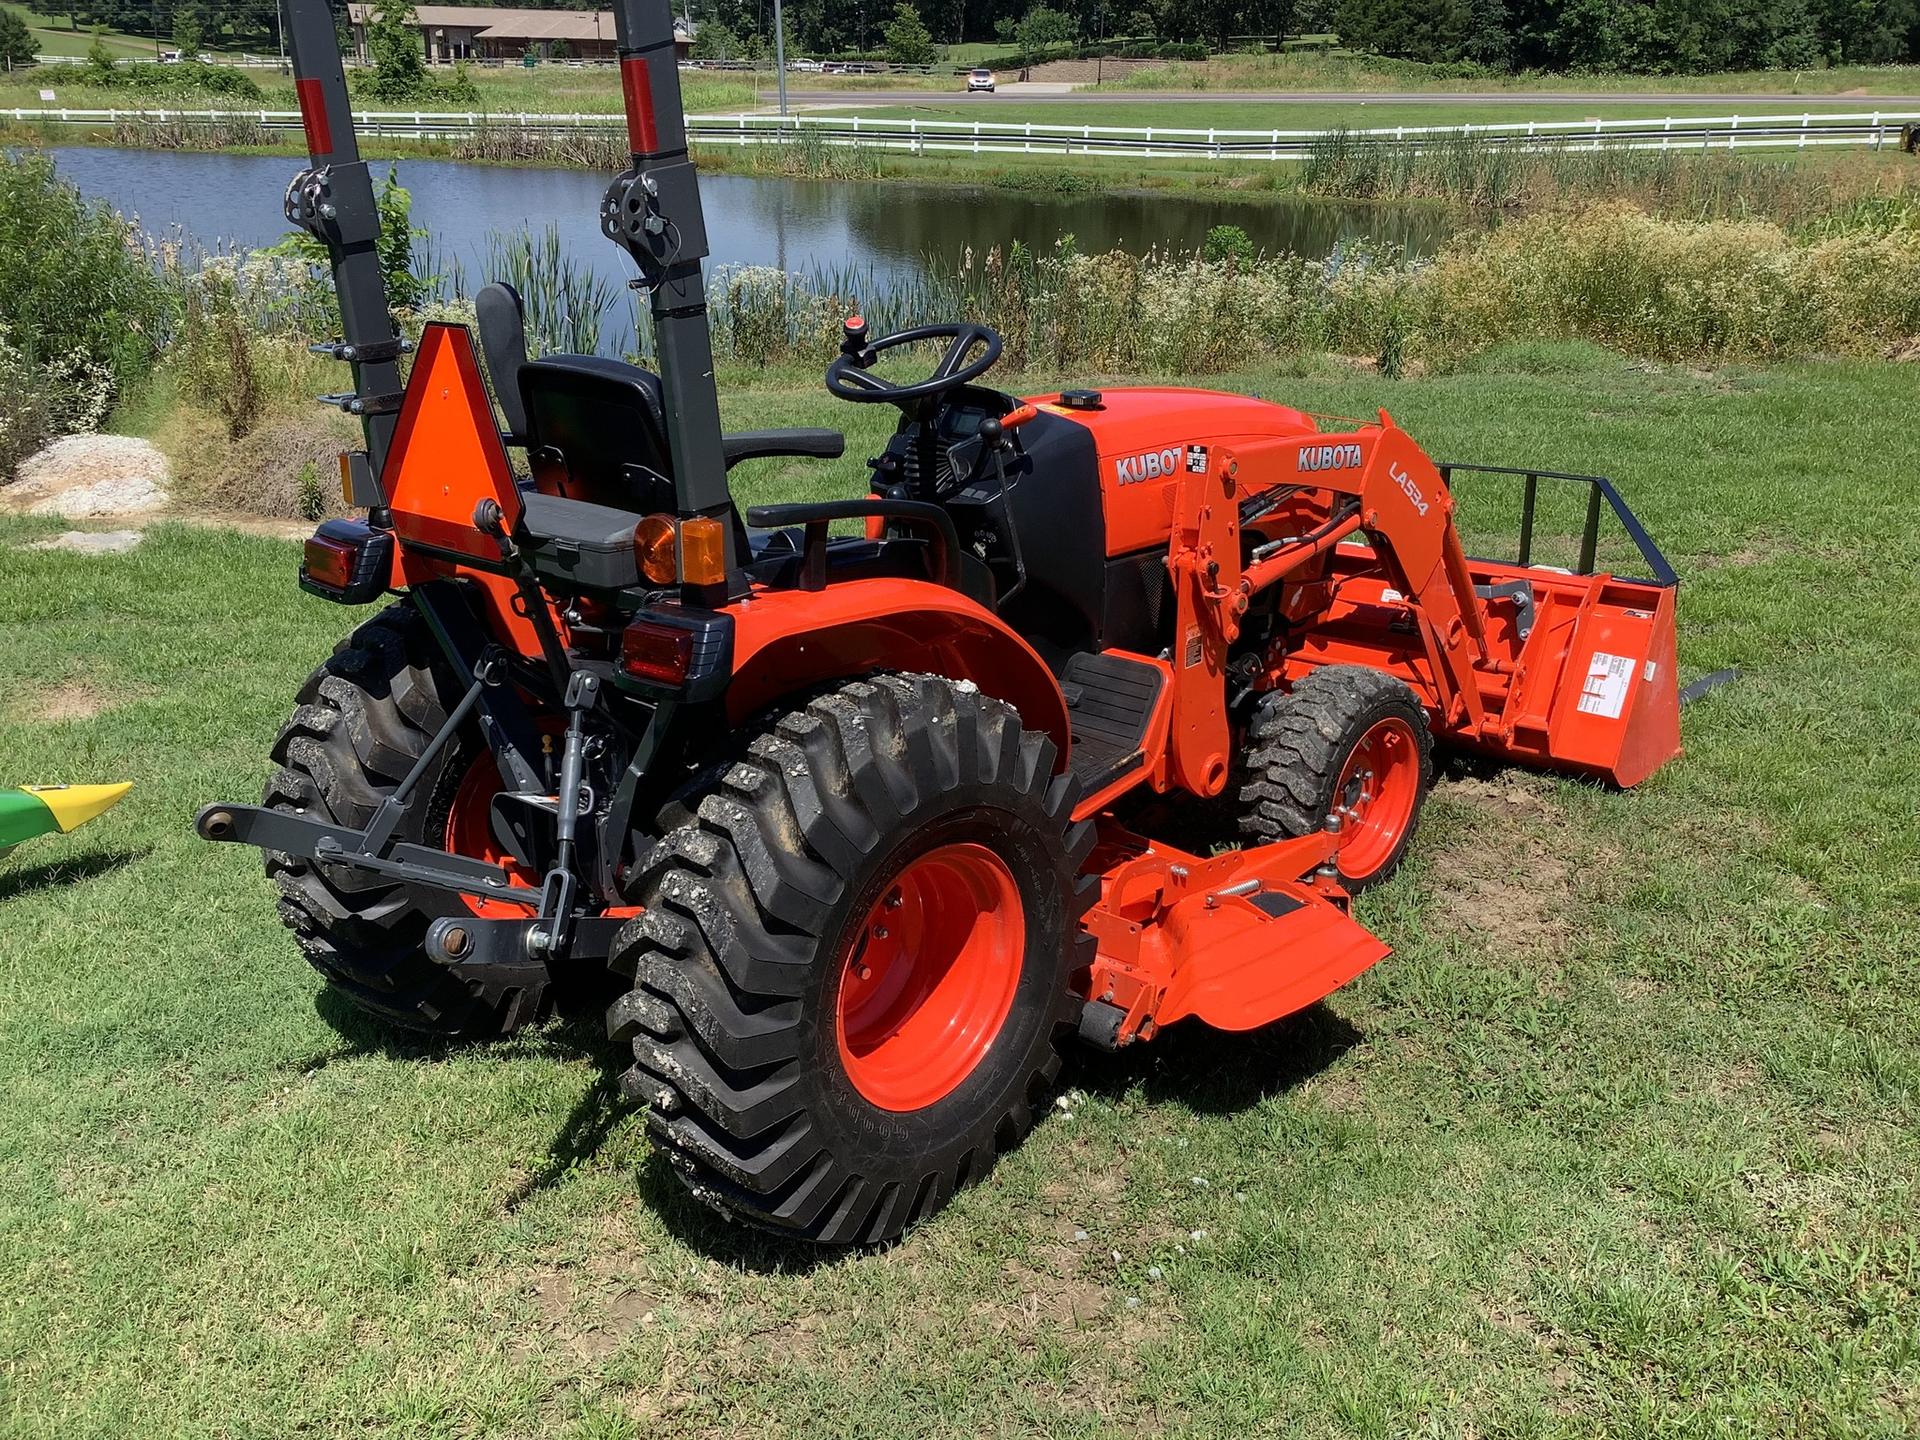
x=848 y=378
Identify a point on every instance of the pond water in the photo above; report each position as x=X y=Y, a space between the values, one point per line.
x=890 y=227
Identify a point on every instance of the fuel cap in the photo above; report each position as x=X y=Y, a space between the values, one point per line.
x=1081 y=399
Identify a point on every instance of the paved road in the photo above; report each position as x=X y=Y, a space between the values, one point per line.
x=1054 y=95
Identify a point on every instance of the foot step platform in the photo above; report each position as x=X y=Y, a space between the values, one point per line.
x=1110 y=700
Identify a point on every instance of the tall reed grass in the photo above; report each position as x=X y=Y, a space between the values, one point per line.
x=806 y=155
x=1701 y=291
x=236 y=132
x=1472 y=171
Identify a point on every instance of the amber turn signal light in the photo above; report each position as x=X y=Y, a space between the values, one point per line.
x=654 y=543
x=703 y=551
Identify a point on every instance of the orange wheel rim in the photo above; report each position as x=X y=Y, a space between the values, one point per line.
x=470 y=833
x=929 y=976
x=1375 y=796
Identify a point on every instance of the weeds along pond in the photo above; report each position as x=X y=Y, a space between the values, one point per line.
x=883 y=231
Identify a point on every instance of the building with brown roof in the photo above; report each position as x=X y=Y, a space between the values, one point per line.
x=471 y=32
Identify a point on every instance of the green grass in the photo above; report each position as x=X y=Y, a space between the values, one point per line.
x=55 y=36
x=1324 y=115
x=1621 y=1142
x=552 y=89
x=1348 y=71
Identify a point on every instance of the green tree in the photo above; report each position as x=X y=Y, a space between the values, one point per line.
x=712 y=40
x=99 y=57
x=909 y=42
x=399 y=58
x=16 y=41
x=188 y=33
x=1044 y=28
x=1489 y=37
x=405 y=289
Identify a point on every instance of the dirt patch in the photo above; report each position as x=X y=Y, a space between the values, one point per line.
x=1085 y=72
x=1760 y=551
x=1501 y=874
x=92 y=542
x=590 y=1314
x=64 y=703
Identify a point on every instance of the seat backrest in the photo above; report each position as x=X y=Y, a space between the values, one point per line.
x=502 y=322
x=596 y=430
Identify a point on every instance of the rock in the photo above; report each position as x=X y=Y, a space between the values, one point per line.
x=89 y=476
x=92 y=542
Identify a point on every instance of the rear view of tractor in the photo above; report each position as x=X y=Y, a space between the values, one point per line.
x=858 y=822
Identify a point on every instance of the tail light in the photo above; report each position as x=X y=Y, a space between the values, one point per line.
x=680 y=649
x=348 y=562
x=661 y=654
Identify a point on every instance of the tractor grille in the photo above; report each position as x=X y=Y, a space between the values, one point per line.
x=1139 y=606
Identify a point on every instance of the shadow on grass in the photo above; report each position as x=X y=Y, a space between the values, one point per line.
x=731 y=1242
x=1214 y=1072
x=1207 y=1071
x=17 y=879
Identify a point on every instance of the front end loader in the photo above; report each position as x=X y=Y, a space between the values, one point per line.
x=860 y=822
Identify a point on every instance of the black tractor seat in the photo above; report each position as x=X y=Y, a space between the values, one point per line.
x=595 y=429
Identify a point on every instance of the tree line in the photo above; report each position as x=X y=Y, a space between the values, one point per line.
x=1647 y=36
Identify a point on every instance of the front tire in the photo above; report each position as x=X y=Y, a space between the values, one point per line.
x=855 y=964
x=1347 y=745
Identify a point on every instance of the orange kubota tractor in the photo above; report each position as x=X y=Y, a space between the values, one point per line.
x=849 y=815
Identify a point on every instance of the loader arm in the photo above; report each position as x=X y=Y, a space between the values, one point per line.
x=1577 y=671
x=1385 y=488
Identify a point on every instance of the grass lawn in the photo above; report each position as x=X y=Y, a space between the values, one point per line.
x=1622 y=1141
x=1350 y=71
x=550 y=89
x=1325 y=115
x=55 y=35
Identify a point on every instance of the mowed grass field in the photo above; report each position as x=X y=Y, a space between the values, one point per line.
x=1309 y=114
x=1622 y=1141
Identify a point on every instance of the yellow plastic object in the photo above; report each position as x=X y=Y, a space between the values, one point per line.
x=74 y=805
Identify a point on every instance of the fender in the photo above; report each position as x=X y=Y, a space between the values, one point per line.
x=790 y=640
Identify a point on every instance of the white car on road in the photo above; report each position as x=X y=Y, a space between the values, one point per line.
x=981 y=79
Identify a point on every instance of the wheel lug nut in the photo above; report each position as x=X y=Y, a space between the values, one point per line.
x=879 y=932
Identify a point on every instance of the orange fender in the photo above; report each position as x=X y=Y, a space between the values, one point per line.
x=786 y=641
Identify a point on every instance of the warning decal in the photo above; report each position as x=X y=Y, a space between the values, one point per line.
x=1605 y=692
x=1196 y=648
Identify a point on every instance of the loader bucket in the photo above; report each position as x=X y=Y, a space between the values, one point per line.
x=1579 y=670
x=1595 y=686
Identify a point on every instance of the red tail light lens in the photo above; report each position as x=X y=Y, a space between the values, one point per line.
x=330 y=562
x=660 y=653
x=347 y=562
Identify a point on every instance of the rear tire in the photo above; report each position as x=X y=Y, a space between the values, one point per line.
x=1344 y=739
x=800 y=1070
x=363 y=719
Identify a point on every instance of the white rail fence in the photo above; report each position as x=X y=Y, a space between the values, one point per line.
x=1876 y=129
